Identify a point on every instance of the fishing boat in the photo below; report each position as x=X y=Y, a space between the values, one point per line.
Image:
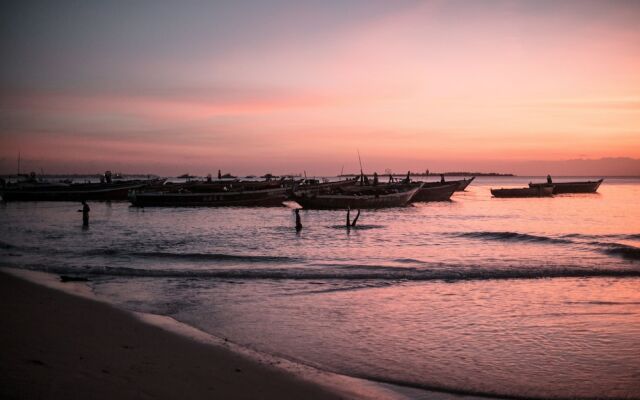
x=539 y=191
x=462 y=184
x=310 y=187
x=435 y=193
x=231 y=198
x=398 y=197
x=571 y=187
x=43 y=191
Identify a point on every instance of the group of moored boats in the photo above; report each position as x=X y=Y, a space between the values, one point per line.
x=548 y=189
x=310 y=194
x=358 y=192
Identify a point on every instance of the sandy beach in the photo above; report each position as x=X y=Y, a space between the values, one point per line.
x=55 y=345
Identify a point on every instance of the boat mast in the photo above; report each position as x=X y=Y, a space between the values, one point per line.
x=361 y=172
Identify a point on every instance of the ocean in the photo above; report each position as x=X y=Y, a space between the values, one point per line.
x=516 y=298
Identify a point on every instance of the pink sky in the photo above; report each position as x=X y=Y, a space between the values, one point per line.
x=438 y=85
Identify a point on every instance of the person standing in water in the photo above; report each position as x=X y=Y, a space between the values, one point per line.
x=85 y=213
x=441 y=178
x=549 y=180
x=298 y=222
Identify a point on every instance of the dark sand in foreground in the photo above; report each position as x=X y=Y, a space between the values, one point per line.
x=54 y=345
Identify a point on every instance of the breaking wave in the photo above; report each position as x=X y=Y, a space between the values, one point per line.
x=359 y=273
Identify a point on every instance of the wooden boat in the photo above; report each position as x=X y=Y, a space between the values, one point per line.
x=540 y=191
x=239 y=198
x=462 y=184
x=571 y=187
x=374 y=199
x=438 y=192
x=73 y=192
x=435 y=193
x=309 y=187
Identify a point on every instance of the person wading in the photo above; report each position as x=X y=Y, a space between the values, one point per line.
x=85 y=213
x=298 y=222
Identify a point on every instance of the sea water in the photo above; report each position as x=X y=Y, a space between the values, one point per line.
x=531 y=298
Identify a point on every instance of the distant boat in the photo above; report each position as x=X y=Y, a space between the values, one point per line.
x=539 y=191
x=462 y=183
x=370 y=199
x=73 y=192
x=571 y=187
x=232 y=198
x=435 y=193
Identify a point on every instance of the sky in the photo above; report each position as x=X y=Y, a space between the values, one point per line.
x=291 y=86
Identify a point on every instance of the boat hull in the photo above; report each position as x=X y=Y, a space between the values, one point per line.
x=462 y=184
x=541 y=191
x=344 y=201
x=258 y=198
x=435 y=193
x=571 y=187
x=93 y=191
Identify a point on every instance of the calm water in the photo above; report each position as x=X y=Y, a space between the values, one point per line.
x=515 y=297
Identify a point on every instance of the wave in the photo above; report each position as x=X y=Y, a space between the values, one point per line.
x=624 y=236
x=373 y=273
x=621 y=250
x=611 y=248
x=6 y=246
x=216 y=257
x=511 y=236
x=195 y=256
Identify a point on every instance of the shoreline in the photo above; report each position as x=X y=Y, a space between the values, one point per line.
x=58 y=341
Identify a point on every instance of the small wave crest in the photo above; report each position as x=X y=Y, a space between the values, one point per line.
x=362 y=227
x=511 y=237
x=621 y=250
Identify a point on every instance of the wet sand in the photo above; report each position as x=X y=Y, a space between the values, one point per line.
x=55 y=345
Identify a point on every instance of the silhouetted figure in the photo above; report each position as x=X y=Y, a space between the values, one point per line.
x=298 y=222
x=208 y=178
x=219 y=175
x=549 y=180
x=375 y=179
x=441 y=178
x=408 y=178
x=353 y=224
x=85 y=213
x=107 y=176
